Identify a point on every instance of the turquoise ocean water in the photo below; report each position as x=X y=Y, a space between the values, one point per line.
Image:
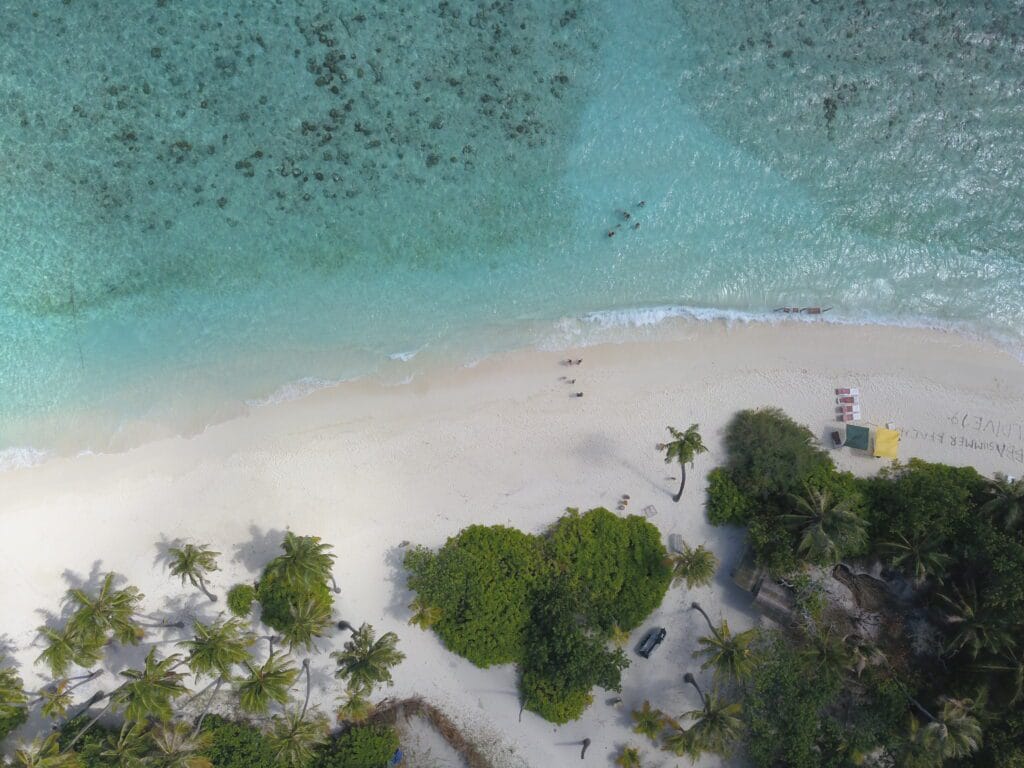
x=207 y=205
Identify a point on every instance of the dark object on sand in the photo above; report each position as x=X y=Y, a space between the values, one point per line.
x=651 y=641
x=577 y=394
x=837 y=439
x=583 y=752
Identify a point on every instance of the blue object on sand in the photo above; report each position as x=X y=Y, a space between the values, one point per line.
x=397 y=758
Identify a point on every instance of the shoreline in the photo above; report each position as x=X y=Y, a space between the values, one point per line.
x=592 y=329
x=368 y=466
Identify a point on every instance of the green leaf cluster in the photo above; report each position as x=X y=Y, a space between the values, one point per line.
x=564 y=658
x=280 y=599
x=550 y=603
x=361 y=746
x=13 y=711
x=236 y=744
x=614 y=565
x=482 y=582
x=726 y=503
x=240 y=599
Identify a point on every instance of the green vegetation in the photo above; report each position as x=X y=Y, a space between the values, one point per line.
x=682 y=449
x=293 y=593
x=369 y=746
x=193 y=563
x=13 y=700
x=940 y=680
x=550 y=603
x=694 y=566
x=240 y=599
x=222 y=656
x=236 y=744
x=479 y=584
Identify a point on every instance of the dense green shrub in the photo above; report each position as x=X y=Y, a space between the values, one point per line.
x=563 y=659
x=785 y=707
x=366 y=746
x=770 y=454
x=922 y=499
x=12 y=704
x=277 y=598
x=240 y=599
x=481 y=580
x=727 y=504
x=91 y=746
x=551 y=700
x=236 y=744
x=616 y=566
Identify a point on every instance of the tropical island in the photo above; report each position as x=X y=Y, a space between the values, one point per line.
x=822 y=607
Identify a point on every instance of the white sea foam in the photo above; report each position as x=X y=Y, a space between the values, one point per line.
x=21 y=458
x=404 y=357
x=602 y=326
x=293 y=390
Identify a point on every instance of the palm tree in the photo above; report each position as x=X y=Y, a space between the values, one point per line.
x=920 y=556
x=216 y=648
x=956 y=732
x=694 y=566
x=293 y=739
x=1006 y=505
x=678 y=740
x=827 y=655
x=45 y=753
x=863 y=653
x=149 y=692
x=976 y=627
x=727 y=654
x=647 y=721
x=1009 y=671
x=309 y=620
x=683 y=448
x=192 y=563
x=306 y=561
x=364 y=662
x=827 y=527
x=424 y=615
x=267 y=683
x=127 y=749
x=176 y=745
x=56 y=697
x=109 y=610
x=357 y=706
x=65 y=648
x=716 y=725
x=12 y=692
x=629 y=757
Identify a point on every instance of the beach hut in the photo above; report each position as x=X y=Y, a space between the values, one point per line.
x=887 y=443
x=857 y=437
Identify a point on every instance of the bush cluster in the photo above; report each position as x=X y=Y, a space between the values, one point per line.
x=361 y=746
x=548 y=603
x=278 y=599
x=818 y=698
x=240 y=599
x=236 y=744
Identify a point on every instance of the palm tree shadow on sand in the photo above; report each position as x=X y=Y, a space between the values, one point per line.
x=260 y=549
x=401 y=595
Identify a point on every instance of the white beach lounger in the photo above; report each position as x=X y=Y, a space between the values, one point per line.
x=675 y=543
x=848 y=391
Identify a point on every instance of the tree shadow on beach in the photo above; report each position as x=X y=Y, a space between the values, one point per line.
x=401 y=595
x=260 y=549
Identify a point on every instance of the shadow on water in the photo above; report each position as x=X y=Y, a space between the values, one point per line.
x=262 y=547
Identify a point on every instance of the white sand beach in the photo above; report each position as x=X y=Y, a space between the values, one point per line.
x=369 y=467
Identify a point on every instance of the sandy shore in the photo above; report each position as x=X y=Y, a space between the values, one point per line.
x=368 y=467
